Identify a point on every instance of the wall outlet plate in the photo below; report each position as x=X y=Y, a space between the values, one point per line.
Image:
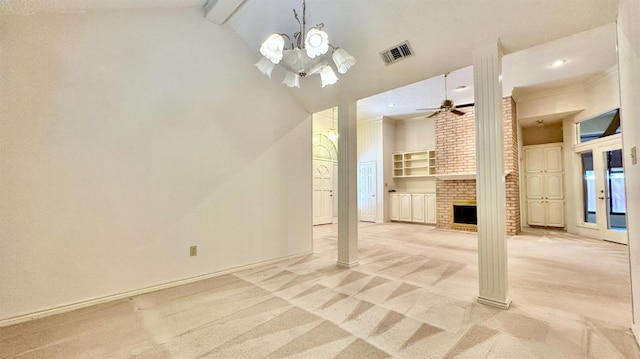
x=634 y=156
x=193 y=251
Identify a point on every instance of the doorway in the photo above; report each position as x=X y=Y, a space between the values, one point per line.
x=367 y=191
x=322 y=192
x=603 y=191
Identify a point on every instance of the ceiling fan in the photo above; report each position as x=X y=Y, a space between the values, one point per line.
x=447 y=105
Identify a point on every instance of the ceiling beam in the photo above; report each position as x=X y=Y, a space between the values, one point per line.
x=219 y=11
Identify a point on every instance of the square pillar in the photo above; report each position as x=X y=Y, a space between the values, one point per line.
x=490 y=181
x=347 y=184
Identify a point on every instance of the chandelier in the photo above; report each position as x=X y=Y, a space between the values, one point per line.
x=308 y=55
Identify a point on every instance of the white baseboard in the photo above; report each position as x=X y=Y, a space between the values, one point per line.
x=87 y=303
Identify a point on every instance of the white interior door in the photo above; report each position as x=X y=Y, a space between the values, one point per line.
x=322 y=192
x=367 y=207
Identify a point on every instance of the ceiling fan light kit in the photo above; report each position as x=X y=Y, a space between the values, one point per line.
x=309 y=55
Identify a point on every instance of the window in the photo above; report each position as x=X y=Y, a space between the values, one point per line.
x=600 y=126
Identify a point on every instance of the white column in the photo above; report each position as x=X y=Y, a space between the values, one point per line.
x=490 y=187
x=347 y=184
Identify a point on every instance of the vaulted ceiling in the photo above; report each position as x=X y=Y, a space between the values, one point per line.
x=442 y=33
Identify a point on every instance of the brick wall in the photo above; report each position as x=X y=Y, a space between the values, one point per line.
x=447 y=191
x=456 y=142
x=511 y=165
x=456 y=153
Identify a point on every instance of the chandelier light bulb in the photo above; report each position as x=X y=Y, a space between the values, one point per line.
x=291 y=79
x=343 y=60
x=333 y=135
x=265 y=66
x=316 y=43
x=272 y=48
x=327 y=76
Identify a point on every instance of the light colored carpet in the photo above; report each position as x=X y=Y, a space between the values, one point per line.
x=413 y=296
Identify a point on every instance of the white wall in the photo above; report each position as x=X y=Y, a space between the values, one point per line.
x=370 y=149
x=590 y=99
x=629 y=65
x=415 y=134
x=126 y=137
x=388 y=147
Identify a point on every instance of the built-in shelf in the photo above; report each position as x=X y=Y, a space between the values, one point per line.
x=414 y=164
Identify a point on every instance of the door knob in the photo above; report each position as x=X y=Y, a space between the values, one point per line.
x=600 y=197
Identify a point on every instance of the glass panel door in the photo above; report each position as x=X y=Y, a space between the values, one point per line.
x=609 y=186
x=614 y=191
x=588 y=188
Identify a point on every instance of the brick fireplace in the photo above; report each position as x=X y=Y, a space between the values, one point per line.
x=456 y=164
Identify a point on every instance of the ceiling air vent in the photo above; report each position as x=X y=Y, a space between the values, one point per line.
x=396 y=53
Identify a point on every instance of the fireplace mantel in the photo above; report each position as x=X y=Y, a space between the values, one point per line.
x=461 y=176
x=456 y=176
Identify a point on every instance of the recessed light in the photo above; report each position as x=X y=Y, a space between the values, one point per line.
x=558 y=63
x=392 y=104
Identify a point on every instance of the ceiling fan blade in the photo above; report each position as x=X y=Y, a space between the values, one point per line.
x=457 y=112
x=428 y=109
x=435 y=113
x=465 y=105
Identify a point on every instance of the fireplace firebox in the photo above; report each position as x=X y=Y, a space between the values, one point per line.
x=464 y=214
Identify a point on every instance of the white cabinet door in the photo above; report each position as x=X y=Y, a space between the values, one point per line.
x=552 y=158
x=533 y=158
x=394 y=210
x=553 y=185
x=544 y=185
x=405 y=207
x=555 y=213
x=536 y=212
x=417 y=208
x=535 y=185
x=430 y=208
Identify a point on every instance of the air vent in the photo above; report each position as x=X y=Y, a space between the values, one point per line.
x=396 y=53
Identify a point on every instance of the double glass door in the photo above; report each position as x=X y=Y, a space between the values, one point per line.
x=604 y=201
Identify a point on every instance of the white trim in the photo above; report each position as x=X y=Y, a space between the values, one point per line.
x=551 y=93
x=601 y=142
x=109 y=298
x=495 y=303
x=371 y=120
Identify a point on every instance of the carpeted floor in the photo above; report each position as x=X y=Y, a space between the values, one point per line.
x=413 y=296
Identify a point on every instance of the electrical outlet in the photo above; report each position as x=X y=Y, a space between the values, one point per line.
x=193 y=251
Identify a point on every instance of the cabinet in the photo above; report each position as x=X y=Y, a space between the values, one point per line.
x=413 y=207
x=544 y=178
x=417 y=208
x=405 y=207
x=414 y=164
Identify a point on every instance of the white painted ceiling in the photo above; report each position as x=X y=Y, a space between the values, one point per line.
x=442 y=33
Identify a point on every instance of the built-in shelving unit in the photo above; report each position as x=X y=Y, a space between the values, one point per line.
x=414 y=164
